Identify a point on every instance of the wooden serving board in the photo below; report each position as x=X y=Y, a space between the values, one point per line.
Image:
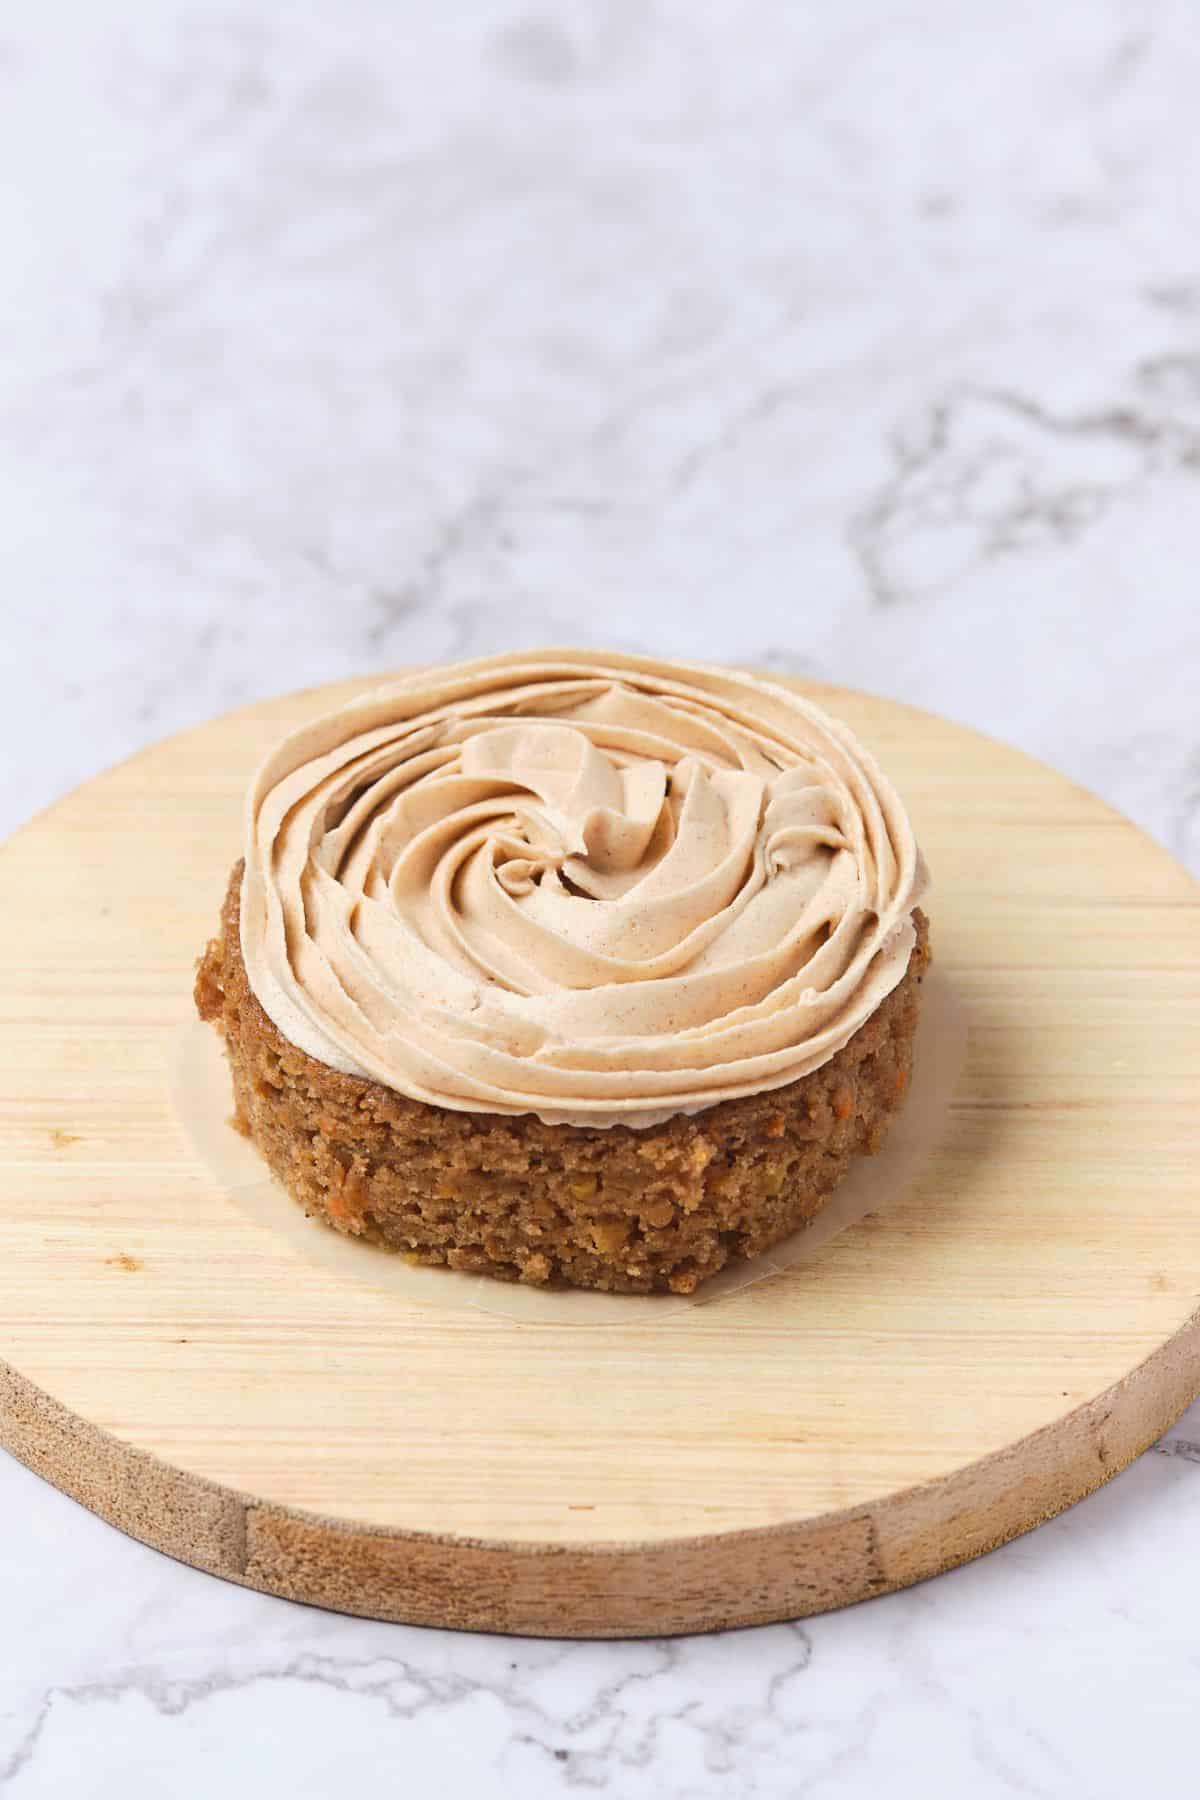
x=990 y=1347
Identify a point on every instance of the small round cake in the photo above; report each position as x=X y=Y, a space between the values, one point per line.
x=569 y=967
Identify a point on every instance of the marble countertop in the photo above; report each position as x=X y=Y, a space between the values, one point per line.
x=861 y=342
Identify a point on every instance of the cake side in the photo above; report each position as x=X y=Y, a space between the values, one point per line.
x=625 y=1210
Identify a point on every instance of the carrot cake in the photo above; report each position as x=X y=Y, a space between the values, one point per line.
x=570 y=967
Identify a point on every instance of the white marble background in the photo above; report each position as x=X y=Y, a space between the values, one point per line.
x=856 y=339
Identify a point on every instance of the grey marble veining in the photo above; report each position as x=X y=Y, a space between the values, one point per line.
x=861 y=341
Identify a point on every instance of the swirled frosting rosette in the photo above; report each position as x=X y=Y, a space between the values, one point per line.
x=601 y=889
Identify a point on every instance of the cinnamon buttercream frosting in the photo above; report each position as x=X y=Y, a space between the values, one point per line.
x=598 y=888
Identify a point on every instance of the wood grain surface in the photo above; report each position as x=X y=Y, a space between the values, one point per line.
x=1013 y=1330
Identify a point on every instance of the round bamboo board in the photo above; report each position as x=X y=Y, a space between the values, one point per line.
x=945 y=1374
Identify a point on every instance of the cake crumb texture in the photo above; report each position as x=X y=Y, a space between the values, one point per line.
x=622 y=1210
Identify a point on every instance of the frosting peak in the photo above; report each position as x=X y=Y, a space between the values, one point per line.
x=598 y=888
